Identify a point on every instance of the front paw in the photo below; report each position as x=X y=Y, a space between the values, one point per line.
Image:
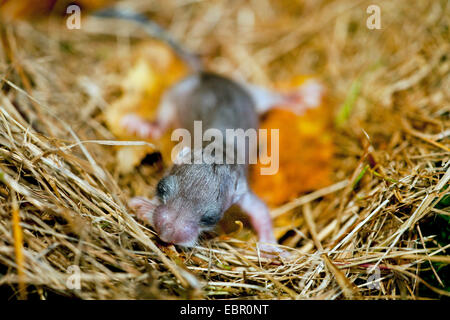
x=143 y=207
x=137 y=126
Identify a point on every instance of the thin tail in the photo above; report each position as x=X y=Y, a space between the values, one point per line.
x=154 y=30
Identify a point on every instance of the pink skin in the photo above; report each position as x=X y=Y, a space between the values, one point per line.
x=165 y=118
x=137 y=126
x=261 y=221
x=144 y=208
x=307 y=96
x=171 y=229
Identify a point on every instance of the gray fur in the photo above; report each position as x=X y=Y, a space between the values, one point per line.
x=222 y=104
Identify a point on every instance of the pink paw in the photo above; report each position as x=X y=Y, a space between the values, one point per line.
x=307 y=96
x=135 y=125
x=143 y=207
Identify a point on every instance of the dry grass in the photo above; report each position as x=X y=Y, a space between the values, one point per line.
x=391 y=168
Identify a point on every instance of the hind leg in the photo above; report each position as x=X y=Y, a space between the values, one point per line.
x=167 y=115
x=142 y=128
x=307 y=96
x=261 y=221
x=146 y=129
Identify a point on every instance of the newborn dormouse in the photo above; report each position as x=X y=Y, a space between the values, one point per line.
x=193 y=197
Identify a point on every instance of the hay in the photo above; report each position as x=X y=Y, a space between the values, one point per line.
x=391 y=170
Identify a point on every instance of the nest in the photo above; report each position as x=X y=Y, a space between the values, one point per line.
x=63 y=204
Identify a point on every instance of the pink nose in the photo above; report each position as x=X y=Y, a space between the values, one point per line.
x=173 y=230
x=178 y=234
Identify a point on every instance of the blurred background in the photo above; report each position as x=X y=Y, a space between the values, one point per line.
x=371 y=162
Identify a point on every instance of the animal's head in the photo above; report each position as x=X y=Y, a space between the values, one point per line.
x=190 y=199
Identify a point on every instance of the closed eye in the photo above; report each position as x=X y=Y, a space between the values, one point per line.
x=210 y=219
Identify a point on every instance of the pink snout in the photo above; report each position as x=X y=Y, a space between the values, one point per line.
x=173 y=230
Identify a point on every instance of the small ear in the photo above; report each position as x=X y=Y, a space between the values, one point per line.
x=144 y=208
x=241 y=188
x=183 y=156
